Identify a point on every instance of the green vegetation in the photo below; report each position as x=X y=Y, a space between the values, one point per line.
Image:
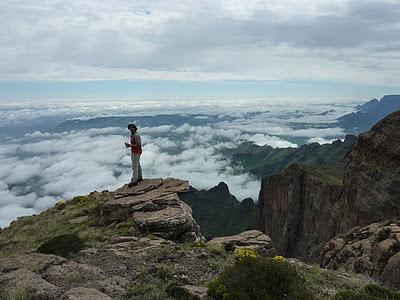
x=259 y=278
x=369 y=292
x=81 y=216
x=15 y=294
x=219 y=213
x=63 y=245
x=383 y=234
x=266 y=160
x=275 y=279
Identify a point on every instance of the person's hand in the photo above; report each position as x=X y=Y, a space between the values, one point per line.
x=127 y=145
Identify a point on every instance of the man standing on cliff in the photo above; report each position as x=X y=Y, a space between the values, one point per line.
x=136 y=150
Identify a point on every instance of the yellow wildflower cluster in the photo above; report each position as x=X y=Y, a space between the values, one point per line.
x=278 y=258
x=83 y=199
x=241 y=253
x=60 y=204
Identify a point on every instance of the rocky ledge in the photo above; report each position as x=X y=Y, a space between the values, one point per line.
x=155 y=207
x=373 y=250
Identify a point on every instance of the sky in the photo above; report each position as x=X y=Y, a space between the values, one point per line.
x=153 y=49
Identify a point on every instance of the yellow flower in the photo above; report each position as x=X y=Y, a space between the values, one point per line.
x=278 y=258
x=60 y=204
x=241 y=253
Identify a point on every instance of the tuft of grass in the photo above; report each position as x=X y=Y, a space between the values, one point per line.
x=216 y=249
x=382 y=234
x=18 y=293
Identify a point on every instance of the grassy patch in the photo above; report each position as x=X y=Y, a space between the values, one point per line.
x=369 y=292
x=15 y=294
x=28 y=233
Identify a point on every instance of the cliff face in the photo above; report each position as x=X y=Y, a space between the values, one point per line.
x=372 y=177
x=298 y=209
x=304 y=207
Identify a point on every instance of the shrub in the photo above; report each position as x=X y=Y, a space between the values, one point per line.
x=259 y=278
x=80 y=199
x=242 y=253
x=60 y=205
x=383 y=234
x=63 y=245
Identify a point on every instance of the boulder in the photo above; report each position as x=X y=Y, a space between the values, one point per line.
x=253 y=239
x=155 y=207
x=391 y=272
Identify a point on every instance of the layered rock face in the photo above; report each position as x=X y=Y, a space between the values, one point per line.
x=373 y=250
x=298 y=209
x=155 y=207
x=372 y=177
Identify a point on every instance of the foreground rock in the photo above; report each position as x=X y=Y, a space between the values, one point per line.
x=127 y=268
x=155 y=207
x=253 y=239
x=373 y=250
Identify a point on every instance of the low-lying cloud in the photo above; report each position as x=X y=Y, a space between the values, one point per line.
x=41 y=168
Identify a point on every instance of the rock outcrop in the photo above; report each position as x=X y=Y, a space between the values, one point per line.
x=372 y=177
x=254 y=239
x=373 y=250
x=298 y=209
x=155 y=207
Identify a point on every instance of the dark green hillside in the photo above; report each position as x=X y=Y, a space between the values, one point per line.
x=266 y=160
x=218 y=212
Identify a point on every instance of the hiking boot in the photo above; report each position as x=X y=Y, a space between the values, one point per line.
x=131 y=184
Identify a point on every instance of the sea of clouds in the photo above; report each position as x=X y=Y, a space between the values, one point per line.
x=41 y=167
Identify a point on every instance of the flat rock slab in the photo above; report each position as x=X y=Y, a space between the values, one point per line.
x=155 y=207
x=85 y=294
x=34 y=285
x=35 y=262
x=254 y=239
x=143 y=187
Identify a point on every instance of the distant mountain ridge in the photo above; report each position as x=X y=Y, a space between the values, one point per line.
x=366 y=115
x=266 y=160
